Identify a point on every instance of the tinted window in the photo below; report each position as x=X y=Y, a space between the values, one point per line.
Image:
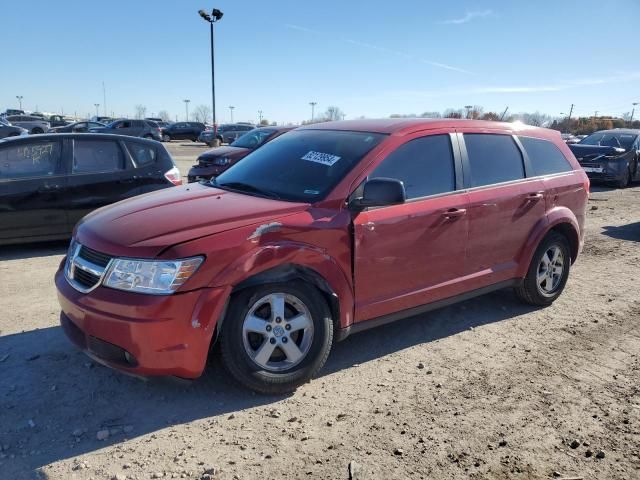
x=493 y=159
x=142 y=154
x=544 y=156
x=27 y=160
x=253 y=139
x=610 y=139
x=302 y=165
x=91 y=156
x=425 y=166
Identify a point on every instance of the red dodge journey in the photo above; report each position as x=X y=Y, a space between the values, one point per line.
x=327 y=230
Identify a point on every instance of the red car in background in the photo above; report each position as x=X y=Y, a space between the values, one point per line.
x=215 y=161
x=332 y=229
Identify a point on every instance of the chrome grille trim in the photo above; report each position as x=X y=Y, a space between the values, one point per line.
x=76 y=262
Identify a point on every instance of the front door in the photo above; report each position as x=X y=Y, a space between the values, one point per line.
x=32 y=182
x=100 y=174
x=412 y=254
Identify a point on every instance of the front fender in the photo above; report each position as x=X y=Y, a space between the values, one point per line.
x=271 y=256
x=555 y=217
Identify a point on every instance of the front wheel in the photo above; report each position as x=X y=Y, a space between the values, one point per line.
x=276 y=337
x=548 y=272
x=625 y=180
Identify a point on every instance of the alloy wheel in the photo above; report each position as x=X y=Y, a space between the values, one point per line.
x=277 y=332
x=550 y=270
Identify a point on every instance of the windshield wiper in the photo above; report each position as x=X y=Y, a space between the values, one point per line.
x=245 y=188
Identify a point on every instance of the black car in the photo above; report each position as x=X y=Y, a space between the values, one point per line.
x=77 y=127
x=49 y=182
x=8 y=130
x=131 y=128
x=182 y=131
x=610 y=156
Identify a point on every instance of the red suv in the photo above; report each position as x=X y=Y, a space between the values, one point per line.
x=332 y=229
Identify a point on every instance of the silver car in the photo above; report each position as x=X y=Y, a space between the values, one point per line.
x=30 y=123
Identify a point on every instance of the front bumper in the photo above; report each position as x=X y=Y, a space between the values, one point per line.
x=147 y=335
x=197 y=173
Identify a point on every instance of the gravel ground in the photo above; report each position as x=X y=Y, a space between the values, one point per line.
x=486 y=389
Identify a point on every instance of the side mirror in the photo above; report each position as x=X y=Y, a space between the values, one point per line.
x=380 y=192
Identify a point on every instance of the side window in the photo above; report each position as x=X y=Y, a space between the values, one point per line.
x=545 y=157
x=142 y=154
x=425 y=166
x=91 y=156
x=493 y=159
x=29 y=160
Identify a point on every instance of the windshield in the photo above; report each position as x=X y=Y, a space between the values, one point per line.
x=300 y=165
x=606 y=139
x=253 y=139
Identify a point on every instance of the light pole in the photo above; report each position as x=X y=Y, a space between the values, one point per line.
x=313 y=106
x=468 y=107
x=259 y=116
x=96 y=105
x=633 y=110
x=215 y=16
x=231 y=107
x=186 y=106
x=20 y=97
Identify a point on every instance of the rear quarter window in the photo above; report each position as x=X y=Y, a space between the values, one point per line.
x=143 y=155
x=545 y=158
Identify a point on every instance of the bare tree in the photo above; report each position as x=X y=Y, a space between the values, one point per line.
x=202 y=113
x=535 y=119
x=164 y=115
x=431 y=115
x=333 y=113
x=141 y=111
x=264 y=122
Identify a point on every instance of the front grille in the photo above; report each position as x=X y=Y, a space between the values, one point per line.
x=85 y=279
x=94 y=257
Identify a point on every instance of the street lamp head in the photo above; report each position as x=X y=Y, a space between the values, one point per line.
x=216 y=14
x=204 y=15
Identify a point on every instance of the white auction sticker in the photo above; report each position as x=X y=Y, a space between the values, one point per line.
x=323 y=158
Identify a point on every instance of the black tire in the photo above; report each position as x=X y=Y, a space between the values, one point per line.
x=248 y=373
x=625 y=180
x=147 y=136
x=13 y=134
x=166 y=137
x=37 y=130
x=529 y=291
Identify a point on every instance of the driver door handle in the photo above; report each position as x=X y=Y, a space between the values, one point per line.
x=535 y=196
x=454 y=213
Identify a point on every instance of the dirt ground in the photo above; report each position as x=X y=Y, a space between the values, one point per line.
x=486 y=389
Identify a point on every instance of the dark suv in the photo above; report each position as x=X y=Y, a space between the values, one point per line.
x=49 y=182
x=182 y=131
x=131 y=128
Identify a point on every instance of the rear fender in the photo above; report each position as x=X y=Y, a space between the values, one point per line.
x=559 y=218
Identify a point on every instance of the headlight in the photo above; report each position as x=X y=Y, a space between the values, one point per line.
x=221 y=161
x=157 y=277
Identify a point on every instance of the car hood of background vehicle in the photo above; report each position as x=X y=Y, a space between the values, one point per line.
x=146 y=225
x=230 y=152
x=592 y=151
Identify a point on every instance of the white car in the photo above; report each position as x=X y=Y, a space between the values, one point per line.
x=30 y=123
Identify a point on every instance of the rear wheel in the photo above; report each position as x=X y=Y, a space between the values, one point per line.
x=166 y=137
x=548 y=271
x=147 y=136
x=276 y=337
x=37 y=130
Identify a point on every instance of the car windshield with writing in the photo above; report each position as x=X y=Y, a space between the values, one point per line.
x=301 y=166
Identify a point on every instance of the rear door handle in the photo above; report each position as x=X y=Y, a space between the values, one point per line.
x=48 y=188
x=454 y=213
x=535 y=196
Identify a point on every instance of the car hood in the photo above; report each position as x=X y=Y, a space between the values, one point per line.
x=590 y=152
x=230 y=152
x=146 y=225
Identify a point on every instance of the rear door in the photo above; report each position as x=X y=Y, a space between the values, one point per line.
x=504 y=205
x=150 y=163
x=412 y=254
x=32 y=183
x=99 y=174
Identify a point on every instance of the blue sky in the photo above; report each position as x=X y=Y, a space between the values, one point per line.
x=370 y=58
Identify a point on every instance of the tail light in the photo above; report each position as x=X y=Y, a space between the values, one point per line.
x=174 y=176
x=587 y=184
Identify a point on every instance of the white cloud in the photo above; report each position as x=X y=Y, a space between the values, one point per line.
x=380 y=49
x=468 y=17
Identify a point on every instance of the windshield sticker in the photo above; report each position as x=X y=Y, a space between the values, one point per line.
x=312 y=192
x=323 y=158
